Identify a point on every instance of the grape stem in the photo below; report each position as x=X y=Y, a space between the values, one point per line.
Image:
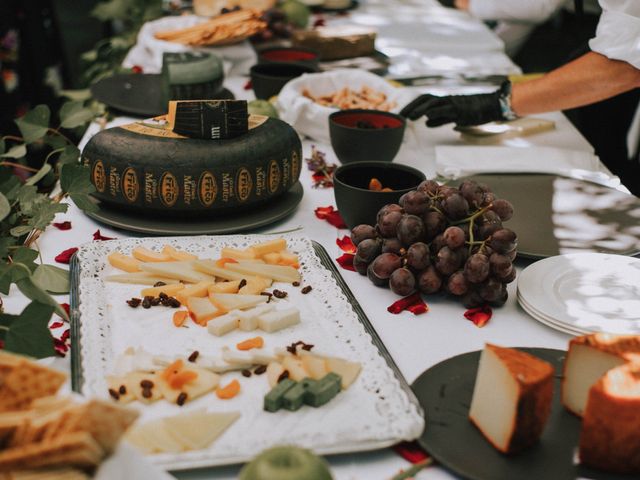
x=471 y=218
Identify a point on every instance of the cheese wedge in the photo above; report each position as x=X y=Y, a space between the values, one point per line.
x=199 y=429
x=205 y=382
x=170 y=289
x=223 y=324
x=238 y=254
x=178 y=255
x=211 y=268
x=246 y=358
x=178 y=270
x=295 y=367
x=279 y=273
x=512 y=398
x=124 y=262
x=145 y=255
x=589 y=358
x=202 y=310
x=270 y=246
x=140 y=278
x=133 y=384
x=229 y=286
x=200 y=289
x=279 y=319
x=347 y=370
x=254 y=285
x=119 y=385
x=274 y=370
x=153 y=437
x=229 y=301
x=316 y=367
x=248 y=319
x=610 y=436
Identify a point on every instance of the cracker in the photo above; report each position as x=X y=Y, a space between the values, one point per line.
x=26 y=382
x=48 y=474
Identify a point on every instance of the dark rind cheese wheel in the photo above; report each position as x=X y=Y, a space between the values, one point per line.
x=151 y=169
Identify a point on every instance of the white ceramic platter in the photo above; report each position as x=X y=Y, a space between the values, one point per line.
x=378 y=410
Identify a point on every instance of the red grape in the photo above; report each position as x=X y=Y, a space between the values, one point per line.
x=388 y=223
x=414 y=202
x=429 y=281
x=402 y=282
x=362 y=232
x=476 y=268
x=410 y=230
x=418 y=256
x=454 y=237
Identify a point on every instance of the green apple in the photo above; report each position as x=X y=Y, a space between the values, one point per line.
x=286 y=463
x=296 y=12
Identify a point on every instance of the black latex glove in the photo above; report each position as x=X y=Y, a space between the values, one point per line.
x=463 y=110
x=447 y=3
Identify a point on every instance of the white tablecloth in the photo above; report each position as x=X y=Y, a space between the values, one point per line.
x=415 y=342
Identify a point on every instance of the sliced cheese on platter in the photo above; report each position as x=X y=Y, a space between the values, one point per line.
x=248 y=357
x=124 y=262
x=295 y=367
x=205 y=381
x=248 y=319
x=202 y=310
x=280 y=273
x=134 y=384
x=230 y=301
x=211 y=267
x=153 y=437
x=140 y=278
x=179 y=270
x=170 y=290
x=279 y=319
x=200 y=289
x=145 y=255
x=198 y=429
x=178 y=255
x=223 y=324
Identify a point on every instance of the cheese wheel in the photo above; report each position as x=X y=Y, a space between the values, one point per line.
x=145 y=166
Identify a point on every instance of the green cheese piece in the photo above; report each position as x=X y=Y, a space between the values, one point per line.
x=295 y=397
x=273 y=399
x=323 y=390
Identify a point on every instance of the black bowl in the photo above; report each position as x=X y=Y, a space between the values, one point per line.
x=268 y=79
x=366 y=135
x=297 y=55
x=356 y=203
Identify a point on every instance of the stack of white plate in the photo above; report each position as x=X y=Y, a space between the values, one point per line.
x=583 y=293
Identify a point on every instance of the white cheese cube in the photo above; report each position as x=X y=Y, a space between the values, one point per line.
x=224 y=324
x=249 y=318
x=277 y=320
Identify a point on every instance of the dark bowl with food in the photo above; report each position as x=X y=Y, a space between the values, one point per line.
x=297 y=55
x=267 y=79
x=360 y=135
x=357 y=203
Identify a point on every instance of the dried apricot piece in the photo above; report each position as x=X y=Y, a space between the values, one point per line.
x=375 y=185
x=229 y=391
x=179 y=317
x=255 y=342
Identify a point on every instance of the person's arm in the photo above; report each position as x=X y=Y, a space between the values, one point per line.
x=588 y=79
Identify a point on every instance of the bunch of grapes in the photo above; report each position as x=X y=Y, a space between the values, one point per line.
x=278 y=27
x=441 y=238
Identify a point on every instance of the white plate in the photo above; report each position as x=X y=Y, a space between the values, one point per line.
x=549 y=322
x=589 y=292
x=374 y=412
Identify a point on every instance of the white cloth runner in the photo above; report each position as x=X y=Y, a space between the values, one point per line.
x=148 y=50
x=126 y=463
x=458 y=161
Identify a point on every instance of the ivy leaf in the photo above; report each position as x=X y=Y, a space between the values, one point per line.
x=52 y=279
x=34 y=124
x=75 y=180
x=2 y=145
x=43 y=213
x=6 y=242
x=55 y=141
x=26 y=197
x=26 y=257
x=111 y=10
x=29 y=332
x=17 y=151
x=74 y=114
x=20 y=230
x=39 y=175
x=5 y=207
x=71 y=154
x=79 y=94
x=32 y=291
x=84 y=202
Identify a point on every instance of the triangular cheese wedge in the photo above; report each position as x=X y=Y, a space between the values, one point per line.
x=140 y=278
x=205 y=382
x=179 y=270
x=278 y=273
x=154 y=437
x=197 y=430
x=231 y=301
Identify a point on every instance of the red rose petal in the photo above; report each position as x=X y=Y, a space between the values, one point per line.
x=61 y=345
x=66 y=307
x=319 y=22
x=346 y=261
x=98 y=236
x=346 y=245
x=411 y=452
x=56 y=325
x=137 y=69
x=65 y=256
x=248 y=85
x=330 y=215
x=62 y=225
x=322 y=212
x=480 y=316
x=413 y=303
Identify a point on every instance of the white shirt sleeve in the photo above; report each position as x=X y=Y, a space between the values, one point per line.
x=524 y=11
x=618 y=33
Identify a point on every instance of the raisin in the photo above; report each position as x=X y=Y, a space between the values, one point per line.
x=242 y=283
x=159 y=284
x=296 y=284
x=246 y=373
x=146 y=393
x=181 y=399
x=134 y=302
x=155 y=301
x=306 y=289
x=147 y=384
x=146 y=303
x=192 y=358
x=279 y=293
x=174 y=302
x=114 y=394
x=260 y=370
x=122 y=390
x=283 y=376
x=163 y=296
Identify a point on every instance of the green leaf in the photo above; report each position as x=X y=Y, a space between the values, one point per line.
x=84 y=202
x=39 y=175
x=20 y=230
x=2 y=145
x=32 y=291
x=6 y=242
x=80 y=94
x=29 y=332
x=52 y=279
x=111 y=10
x=43 y=213
x=34 y=124
x=74 y=114
x=55 y=141
x=5 y=207
x=5 y=278
x=71 y=154
x=17 y=151
x=76 y=179
x=27 y=196
x=26 y=257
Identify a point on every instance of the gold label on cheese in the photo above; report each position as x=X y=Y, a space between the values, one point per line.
x=274 y=176
x=169 y=189
x=244 y=184
x=130 y=185
x=99 y=176
x=207 y=189
x=295 y=165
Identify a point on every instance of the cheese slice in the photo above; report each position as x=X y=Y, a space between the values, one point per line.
x=231 y=301
x=210 y=267
x=280 y=319
x=154 y=437
x=198 y=429
x=140 y=278
x=204 y=383
x=589 y=358
x=132 y=383
x=277 y=273
x=179 y=270
x=223 y=324
x=248 y=319
x=511 y=398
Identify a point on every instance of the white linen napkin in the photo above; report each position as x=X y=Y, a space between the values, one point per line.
x=458 y=161
x=126 y=463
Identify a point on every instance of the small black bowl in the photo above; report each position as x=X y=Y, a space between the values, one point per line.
x=268 y=79
x=297 y=55
x=356 y=203
x=366 y=135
